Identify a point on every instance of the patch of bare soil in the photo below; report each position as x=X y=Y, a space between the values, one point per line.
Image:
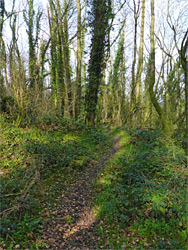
x=72 y=222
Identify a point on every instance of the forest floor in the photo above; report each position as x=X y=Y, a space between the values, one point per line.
x=72 y=224
x=67 y=186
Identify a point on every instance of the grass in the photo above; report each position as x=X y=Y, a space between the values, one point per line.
x=36 y=164
x=141 y=194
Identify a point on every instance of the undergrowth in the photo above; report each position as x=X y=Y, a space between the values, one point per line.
x=142 y=195
x=36 y=163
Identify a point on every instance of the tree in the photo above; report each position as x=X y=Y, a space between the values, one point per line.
x=154 y=100
x=60 y=61
x=183 y=52
x=56 y=60
x=100 y=15
x=117 y=82
x=140 y=55
x=79 y=61
x=17 y=77
x=2 y=48
x=30 y=20
x=136 y=11
x=66 y=54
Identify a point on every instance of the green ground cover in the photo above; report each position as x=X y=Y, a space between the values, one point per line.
x=141 y=194
x=36 y=164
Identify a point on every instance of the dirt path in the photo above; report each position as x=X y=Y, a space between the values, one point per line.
x=72 y=224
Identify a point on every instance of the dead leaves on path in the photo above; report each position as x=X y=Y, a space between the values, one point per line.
x=71 y=223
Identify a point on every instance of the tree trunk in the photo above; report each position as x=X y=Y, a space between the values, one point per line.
x=186 y=102
x=184 y=61
x=2 y=50
x=60 y=69
x=154 y=101
x=133 y=71
x=29 y=20
x=140 y=56
x=67 y=61
x=133 y=83
x=79 y=62
x=53 y=53
x=101 y=10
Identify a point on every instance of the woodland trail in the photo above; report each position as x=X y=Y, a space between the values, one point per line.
x=72 y=223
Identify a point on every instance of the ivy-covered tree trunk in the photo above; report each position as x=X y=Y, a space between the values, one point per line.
x=60 y=61
x=116 y=83
x=177 y=66
x=32 y=56
x=186 y=102
x=31 y=21
x=66 y=54
x=2 y=49
x=122 y=85
x=184 y=61
x=101 y=13
x=43 y=48
x=56 y=50
x=79 y=61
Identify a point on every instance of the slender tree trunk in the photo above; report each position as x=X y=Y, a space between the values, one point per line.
x=133 y=83
x=184 y=61
x=186 y=101
x=167 y=102
x=32 y=57
x=67 y=61
x=123 y=82
x=133 y=66
x=79 y=61
x=3 y=56
x=177 y=66
x=152 y=74
x=53 y=53
x=43 y=48
x=2 y=48
x=140 y=55
x=61 y=83
x=103 y=96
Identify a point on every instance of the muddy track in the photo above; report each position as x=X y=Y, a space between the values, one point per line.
x=72 y=223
